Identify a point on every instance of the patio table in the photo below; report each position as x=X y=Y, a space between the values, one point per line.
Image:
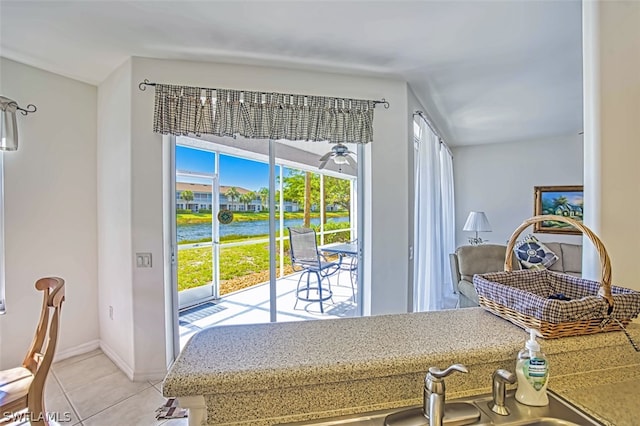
x=341 y=249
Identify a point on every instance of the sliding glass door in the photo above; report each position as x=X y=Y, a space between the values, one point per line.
x=235 y=200
x=197 y=233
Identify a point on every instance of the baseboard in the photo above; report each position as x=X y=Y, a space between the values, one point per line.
x=134 y=376
x=119 y=362
x=151 y=376
x=77 y=350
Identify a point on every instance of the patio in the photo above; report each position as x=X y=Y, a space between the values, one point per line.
x=251 y=306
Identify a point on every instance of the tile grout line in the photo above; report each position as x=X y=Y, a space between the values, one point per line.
x=66 y=397
x=117 y=402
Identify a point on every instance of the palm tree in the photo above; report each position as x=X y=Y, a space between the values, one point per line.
x=264 y=197
x=187 y=196
x=560 y=201
x=247 y=199
x=232 y=194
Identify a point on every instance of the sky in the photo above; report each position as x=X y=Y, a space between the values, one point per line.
x=234 y=171
x=574 y=198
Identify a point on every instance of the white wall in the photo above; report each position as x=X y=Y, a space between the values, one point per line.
x=611 y=45
x=499 y=179
x=50 y=209
x=386 y=248
x=114 y=218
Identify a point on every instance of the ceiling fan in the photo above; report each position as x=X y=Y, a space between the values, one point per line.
x=340 y=154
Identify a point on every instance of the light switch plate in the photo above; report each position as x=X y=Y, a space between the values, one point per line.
x=143 y=260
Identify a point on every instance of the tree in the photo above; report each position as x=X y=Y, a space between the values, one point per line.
x=247 y=198
x=232 y=194
x=560 y=201
x=264 y=197
x=187 y=196
x=337 y=191
x=307 y=199
x=294 y=187
x=302 y=188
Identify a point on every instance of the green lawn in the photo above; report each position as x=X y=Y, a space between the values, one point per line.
x=240 y=266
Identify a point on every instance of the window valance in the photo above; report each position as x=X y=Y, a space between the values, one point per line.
x=184 y=110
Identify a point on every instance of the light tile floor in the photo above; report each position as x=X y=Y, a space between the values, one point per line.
x=90 y=390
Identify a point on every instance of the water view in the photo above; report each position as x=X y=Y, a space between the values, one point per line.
x=202 y=231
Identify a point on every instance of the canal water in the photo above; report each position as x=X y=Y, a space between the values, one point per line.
x=258 y=227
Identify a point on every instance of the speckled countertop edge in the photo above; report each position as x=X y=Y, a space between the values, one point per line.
x=298 y=354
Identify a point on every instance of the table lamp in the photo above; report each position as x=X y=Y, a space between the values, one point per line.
x=477 y=222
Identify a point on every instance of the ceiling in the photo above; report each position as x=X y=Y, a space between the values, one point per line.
x=486 y=71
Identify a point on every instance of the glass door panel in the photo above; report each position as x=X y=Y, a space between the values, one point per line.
x=196 y=262
x=244 y=241
x=224 y=190
x=323 y=200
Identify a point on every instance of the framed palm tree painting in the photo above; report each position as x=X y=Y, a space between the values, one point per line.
x=565 y=201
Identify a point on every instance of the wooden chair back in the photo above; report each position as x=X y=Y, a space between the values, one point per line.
x=40 y=355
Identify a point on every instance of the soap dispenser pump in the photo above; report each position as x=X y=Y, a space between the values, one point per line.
x=532 y=371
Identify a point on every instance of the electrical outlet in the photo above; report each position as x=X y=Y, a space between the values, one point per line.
x=110 y=312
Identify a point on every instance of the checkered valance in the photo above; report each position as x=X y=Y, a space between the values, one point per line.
x=182 y=110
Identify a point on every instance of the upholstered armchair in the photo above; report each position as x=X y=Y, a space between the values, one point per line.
x=470 y=260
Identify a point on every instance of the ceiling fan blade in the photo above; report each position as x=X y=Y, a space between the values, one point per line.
x=323 y=163
x=326 y=156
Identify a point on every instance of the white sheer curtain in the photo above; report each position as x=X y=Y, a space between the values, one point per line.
x=434 y=235
x=448 y=214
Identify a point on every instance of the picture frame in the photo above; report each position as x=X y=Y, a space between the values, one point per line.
x=565 y=200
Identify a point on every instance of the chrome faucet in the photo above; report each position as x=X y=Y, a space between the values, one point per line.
x=433 y=408
x=500 y=378
x=434 y=392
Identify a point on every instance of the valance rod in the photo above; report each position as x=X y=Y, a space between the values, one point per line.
x=9 y=124
x=422 y=115
x=24 y=111
x=146 y=82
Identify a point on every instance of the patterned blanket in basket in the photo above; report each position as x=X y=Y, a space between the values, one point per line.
x=527 y=292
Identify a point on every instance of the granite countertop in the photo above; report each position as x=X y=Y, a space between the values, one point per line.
x=249 y=357
x=611 y=396
x=245 y=359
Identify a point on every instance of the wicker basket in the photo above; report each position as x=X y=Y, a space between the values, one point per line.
x=522 y=296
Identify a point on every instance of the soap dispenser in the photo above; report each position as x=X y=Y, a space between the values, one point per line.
x=532 y=371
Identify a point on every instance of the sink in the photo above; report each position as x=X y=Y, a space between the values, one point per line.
x=558 y=413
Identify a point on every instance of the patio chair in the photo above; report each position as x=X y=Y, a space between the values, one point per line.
x=305 y=257
x=23 y=387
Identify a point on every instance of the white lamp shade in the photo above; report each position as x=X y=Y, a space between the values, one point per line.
x=478 y=222
x=8 y=125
